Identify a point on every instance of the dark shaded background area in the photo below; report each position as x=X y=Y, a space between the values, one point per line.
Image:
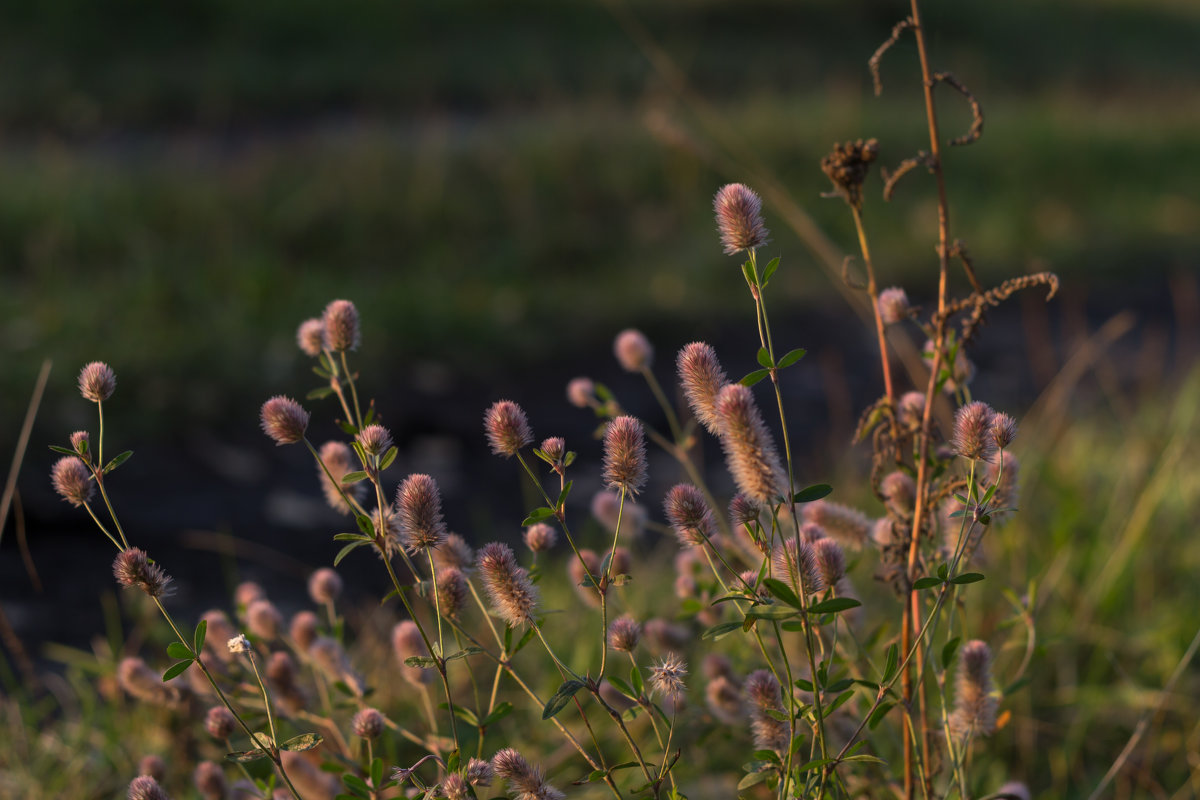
x=501 y=188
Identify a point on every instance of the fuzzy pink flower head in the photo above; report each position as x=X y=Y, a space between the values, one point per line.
x=702 y=378
x=910 y=409
x=419 y=507
x=1004 y=430
x=540 y=537
x=246 y=593
x=368 y=723
x=972 y=432
x=624 y=633
x=520 y=774
x=341 y=326
x=555 y=449
x=479 y=773
x=304 y=629
x=581 y=392
x=749 y=449
x=132 y=567
x=507 y=584
x=666 y=677
x=220 y=723
x=830 y=561
x=893 y=305
x=743 y=510
x=899 y=492
x=375 y=440
x=625 y=455
x=451 y=591
x=210 y=781
x=284 y=420
x=264 y=620
x=739 y=218
x=454 y=787
x=848 y=526
x=324 y=586
x=974 y=704
x=72 y=481
x=454 y=552
x=310 y=337
x=507 y=428
x=338 y=460
x=80 y=442
x=144 y=787
x=690 y=515
x=633 y=350
x=97 y=382
x=154 y=766
x=790 y=564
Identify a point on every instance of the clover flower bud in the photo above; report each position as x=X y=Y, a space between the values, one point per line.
x=341 y=326
x=264 y=620
x=633 y=350
x=97 y=382
x=210 y=781
x=724 y=699
x=284 y=420
x=303 y=629
x=80 y=441
x=974 y=703
x=739 y=218
x=1003 y=430
x=830 y=561
x=72 y=480
x=690 y=516
x=375 y=440
x=324 y=586
x=220 y=723
x=479 y=773
x=507 y=428
x=451 y=591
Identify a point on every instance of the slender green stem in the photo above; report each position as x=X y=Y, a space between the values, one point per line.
x=656 y=389
x=353 y=390
x=103 y=529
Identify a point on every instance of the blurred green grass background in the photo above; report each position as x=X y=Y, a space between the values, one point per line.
x=500 y=184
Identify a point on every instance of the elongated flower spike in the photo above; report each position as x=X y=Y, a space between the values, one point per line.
x=507 y=428
x=284 y=420
x=341 y=326
x=974 y=705
x=749 y=449
x=419 y=507
x=625 y=455
x=132 y=568
x=739 y=218
x=702 y=378
x=508 y=585
x=310 y=337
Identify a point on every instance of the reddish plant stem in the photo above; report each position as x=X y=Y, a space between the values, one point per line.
x=912 y=609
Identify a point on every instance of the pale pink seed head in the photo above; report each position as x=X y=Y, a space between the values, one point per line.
x=830 y=561
x=690 y=515
x=899 y=493
x=666 y=677
x=220 y=723
x=133 y=568
x=507 y=584
x=210 y=781
x=1004 y=430
x=451 y=591
x=749 y=448
x=555 y=449
x=454 y=552
x=368 y=723
x=375 y=440
x=144 y=787
x=893 y=305
x=304 y=629
x=264 y=620
x=972 y=432
x=910 y=409
x=540 y=537
x=848 y=526
x=624 y=634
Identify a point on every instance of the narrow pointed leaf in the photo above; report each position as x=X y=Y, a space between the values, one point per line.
x=811 y=493
x=792 y=357
x=305 y=741
x=754 y=377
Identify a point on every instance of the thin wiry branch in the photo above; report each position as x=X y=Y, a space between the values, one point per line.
x=873 y=64
x=976 y=129
x=959 y=250
x=907 y=165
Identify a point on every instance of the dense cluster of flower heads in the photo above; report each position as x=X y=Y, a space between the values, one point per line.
x=764 y=559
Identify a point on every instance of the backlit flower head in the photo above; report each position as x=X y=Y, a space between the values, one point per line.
x=540 y=536
x=972 y=432
x=507 y=584
x=1003 y=430
x=97 y=382
x=764 y=695
x=338 y=459
x=264 y=620
x=284 y=420
x=72 y=480
x=374 y=440
x=625 y=455
x=974 y=704
x=666 y=677
x=324 y=585
x=132 y=567
x=690 y=515
x=144 y=787
x=368 y=723
x=581 y=392
x=310 y=337
x=454 y=552
x=451 y=591
x=419 y=507
x=749 y=449
x=739 y=218
x=848 y=526
x=507 y=428
x=702 y=378
x=624 y=633
x=633 y=350
x=893 y=305
x=341 y=326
